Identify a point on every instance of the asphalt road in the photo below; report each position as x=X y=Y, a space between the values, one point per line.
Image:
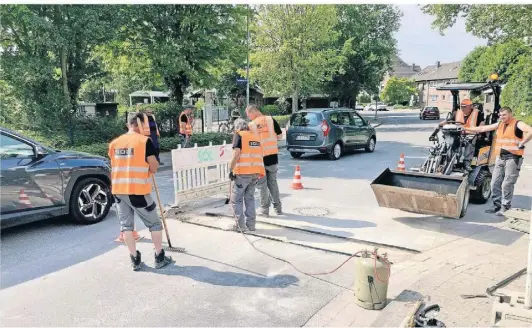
x=56 y=273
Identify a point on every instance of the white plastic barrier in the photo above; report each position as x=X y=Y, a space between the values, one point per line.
x=200 y=171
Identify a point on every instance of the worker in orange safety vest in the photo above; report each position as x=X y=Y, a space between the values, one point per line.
x=268 y=131
x=247 y=167
x=185 y=123
x=511 y=136
x=132 y=164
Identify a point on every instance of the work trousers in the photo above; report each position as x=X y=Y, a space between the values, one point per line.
x=269 y=190
x=243 y=199
x=505 y=176
x=185 y=141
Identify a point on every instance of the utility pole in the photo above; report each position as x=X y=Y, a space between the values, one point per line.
x=103 y=88
x=247 y=64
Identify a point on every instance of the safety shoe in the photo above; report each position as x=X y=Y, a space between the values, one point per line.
x=252 y=228
x=502 y=211
x=234 y=227
x=492 y=210
x=161 y=260
x=263 y=214
x=135 y=261
x=279 y=211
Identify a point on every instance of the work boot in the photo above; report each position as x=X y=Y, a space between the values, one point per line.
x=161 y=260
x=502 y=210
x=467 y=166
x=234 y=227
x=135 y=261
x=263 y=213
x=493 y=209
x=250 y=228
x=279 y=211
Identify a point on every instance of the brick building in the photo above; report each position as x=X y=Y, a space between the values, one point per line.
x=434 y=76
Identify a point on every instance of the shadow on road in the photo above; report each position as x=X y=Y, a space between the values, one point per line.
x=480 y=232
x=328 y=222
x=225 y=278
x=40 y=248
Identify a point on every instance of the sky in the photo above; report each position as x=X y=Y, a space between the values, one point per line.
x=418 y=43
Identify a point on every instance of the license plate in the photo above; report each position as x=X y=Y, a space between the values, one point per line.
x=302 y=137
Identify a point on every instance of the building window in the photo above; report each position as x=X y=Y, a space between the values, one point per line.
x=433 y=98
x=432 y=84
x=443 y=97
x=489 y=99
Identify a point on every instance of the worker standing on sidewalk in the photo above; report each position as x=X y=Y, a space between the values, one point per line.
x=185 y=123
x=246 y=168
x=268 y=131
x=509 y=148
x=152 y=130
x=132 y=162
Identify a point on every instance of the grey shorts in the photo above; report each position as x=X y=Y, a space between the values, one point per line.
x=143 y=206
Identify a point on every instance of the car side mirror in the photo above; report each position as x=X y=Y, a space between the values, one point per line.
x=40 y=152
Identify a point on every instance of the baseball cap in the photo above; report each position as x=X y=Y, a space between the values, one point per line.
x=466 y=102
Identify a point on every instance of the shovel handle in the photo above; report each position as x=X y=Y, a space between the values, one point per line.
x=161 y=210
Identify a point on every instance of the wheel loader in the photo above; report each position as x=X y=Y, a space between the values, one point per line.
x=443 y=185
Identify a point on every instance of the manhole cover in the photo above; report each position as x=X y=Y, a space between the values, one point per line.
x=313 y=211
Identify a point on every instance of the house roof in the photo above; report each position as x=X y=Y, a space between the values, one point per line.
x=401 y=69
x=433 y=72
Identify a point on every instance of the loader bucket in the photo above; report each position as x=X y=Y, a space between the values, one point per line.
x=441 y=195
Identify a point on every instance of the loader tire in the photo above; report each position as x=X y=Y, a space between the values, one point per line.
x=483 y=188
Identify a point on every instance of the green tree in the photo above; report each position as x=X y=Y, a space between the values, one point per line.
x=184 y=42
x=367 y=44
x=492 y=22
x=398 y=90
x=517 y=92
x=46 y=53
x=499 y=58
x=294 y=49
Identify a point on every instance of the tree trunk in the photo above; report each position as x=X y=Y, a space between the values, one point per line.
x=295 y=100
x=177 y=84
x=64 y=76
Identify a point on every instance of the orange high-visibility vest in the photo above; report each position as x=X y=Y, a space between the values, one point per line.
x=130 y=174
x=145 y=128
x=262 y=126
x=250 y=161
x=507 y=140
x=185 y=128
x=471 y=119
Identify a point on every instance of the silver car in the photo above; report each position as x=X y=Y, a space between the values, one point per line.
x=330 y=131
x=38 y=182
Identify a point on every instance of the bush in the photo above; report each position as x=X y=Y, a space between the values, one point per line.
x=271 y=110
x=100 y=149
x=282 y=120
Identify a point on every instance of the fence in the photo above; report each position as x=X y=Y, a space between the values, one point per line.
x=169 y=125
x=200 y=171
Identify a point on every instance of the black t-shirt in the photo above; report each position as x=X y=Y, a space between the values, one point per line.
x=150 y=149
x=268 y=160
x=480 y=117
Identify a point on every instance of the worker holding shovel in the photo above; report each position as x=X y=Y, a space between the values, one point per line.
x=133 y=162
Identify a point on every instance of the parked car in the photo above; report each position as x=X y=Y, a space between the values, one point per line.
x=38 y=182
x=429 y=112
x=359 y=107
x=330 y=131
x=380 y=107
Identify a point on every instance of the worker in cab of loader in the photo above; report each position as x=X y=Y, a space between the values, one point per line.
x=185 y=123
x=268 y=131
x=511 y=137
x=247 y=167
x=132 y=164
x=469 y=117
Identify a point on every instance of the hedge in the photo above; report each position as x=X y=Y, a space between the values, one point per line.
x=166 y=143
x=282 y=120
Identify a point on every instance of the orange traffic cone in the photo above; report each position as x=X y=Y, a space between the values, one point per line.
x=296 y=183
x=121 y=236
x=23 y=200
x=401 y=165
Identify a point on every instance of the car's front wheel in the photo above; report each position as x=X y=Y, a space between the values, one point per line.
x=370 y=147
x=90 y=201
x=296 y=154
